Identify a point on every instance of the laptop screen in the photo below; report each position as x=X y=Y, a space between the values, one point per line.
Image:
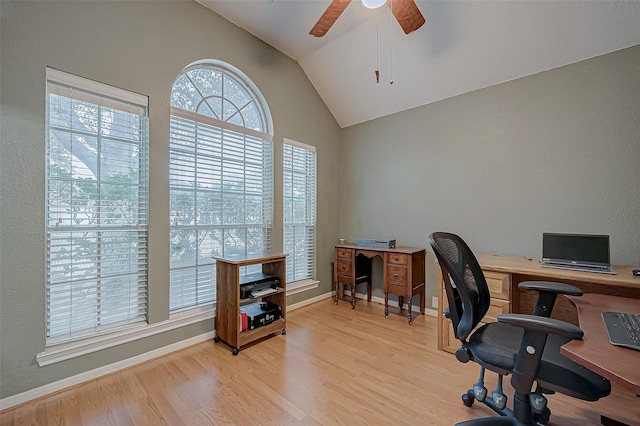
x=576 y=248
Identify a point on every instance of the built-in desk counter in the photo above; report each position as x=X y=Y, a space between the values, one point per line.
x=504 y=273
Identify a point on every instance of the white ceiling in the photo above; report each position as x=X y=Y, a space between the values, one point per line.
x=464 y=46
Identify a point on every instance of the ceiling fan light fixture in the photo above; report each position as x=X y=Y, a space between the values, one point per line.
x=406 y=13
x=373 y=4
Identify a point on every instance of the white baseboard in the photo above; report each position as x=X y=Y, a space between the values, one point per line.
x=299 y=305
x=380 y=300
x=21 y=398
x=50 y=388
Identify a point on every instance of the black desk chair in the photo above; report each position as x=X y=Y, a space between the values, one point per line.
x=525 y=346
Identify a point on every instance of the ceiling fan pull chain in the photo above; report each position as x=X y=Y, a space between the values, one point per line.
x=391 y=67
x=391 y=49
x=377 y=46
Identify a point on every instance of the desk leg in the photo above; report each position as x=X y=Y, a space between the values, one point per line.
x=386 y=305
x=335 y=300
x=422 y=297
x=353 y=296
x=410 y=306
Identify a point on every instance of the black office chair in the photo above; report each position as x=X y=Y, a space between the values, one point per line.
x=525 y=346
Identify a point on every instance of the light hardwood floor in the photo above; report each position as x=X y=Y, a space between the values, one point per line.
x=334 y=366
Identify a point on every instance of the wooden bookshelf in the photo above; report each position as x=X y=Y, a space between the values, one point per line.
x=228 y=298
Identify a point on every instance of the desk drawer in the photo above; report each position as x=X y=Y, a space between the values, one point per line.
x=497 y=307
x=499 y=284
x=345 y=279
x=397 y=275
x=344 y=253
x=344 y=266
x=399 y=259
x=398 y=290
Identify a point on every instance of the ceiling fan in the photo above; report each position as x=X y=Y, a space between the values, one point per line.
x=405 y=11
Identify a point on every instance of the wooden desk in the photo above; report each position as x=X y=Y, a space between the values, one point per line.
x=504 y=273
x=618 y=364
x=403 y=273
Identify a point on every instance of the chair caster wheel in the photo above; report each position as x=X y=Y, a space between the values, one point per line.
x=479 y=392
x=542 y=418
x=500 y=400
x=216 y=339
x=235 y=351
x=284 y=331
x=468 y=399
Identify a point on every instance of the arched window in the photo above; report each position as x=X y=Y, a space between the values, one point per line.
x=221 y=177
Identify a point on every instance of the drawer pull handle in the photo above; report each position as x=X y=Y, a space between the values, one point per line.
x=343 y=267
x=396 y=276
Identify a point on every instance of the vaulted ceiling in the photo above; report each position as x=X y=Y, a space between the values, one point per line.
x=463 y=46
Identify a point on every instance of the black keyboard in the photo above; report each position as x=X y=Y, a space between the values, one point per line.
x=631 y=323
x=623 y=329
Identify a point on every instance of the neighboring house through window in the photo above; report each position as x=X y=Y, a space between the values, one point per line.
x=221 y=177
x=96 y=209
x=299 y=196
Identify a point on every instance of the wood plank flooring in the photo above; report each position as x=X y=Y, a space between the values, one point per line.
x=334 y=366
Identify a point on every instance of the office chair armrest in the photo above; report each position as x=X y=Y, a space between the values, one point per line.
x=547 y=294
x=542 y=324
x=550 y=287
x=534 y=339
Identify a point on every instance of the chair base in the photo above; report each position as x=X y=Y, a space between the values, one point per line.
x=507 y=415
x=488 y=401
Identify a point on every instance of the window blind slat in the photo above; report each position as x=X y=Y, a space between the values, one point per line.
x=221 y=187
x=69 y=81
x=299 y=196
x=97 y=205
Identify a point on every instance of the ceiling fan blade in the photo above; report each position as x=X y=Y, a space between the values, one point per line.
x=329 y=17
x=407 y=14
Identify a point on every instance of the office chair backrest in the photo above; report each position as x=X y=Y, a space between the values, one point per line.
x=468 y=294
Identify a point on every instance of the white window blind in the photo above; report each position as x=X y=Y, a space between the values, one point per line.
x=96 y=217
x=221 y=180
x=299 y=195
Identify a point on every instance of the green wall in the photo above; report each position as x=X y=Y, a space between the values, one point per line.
x=140 y=46
x=557 y=151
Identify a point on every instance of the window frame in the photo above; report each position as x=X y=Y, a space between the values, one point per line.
x=302 y=280
x=212 y=125
x=108 y=101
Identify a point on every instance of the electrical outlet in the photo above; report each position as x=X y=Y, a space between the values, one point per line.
x=434 y=302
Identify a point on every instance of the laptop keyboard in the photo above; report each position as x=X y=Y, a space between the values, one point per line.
x=631 y=324
x=599 y=268
x=623 y=329
x=583 y=268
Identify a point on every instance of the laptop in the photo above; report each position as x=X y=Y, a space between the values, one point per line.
x=578 y=252
x=623 y=329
